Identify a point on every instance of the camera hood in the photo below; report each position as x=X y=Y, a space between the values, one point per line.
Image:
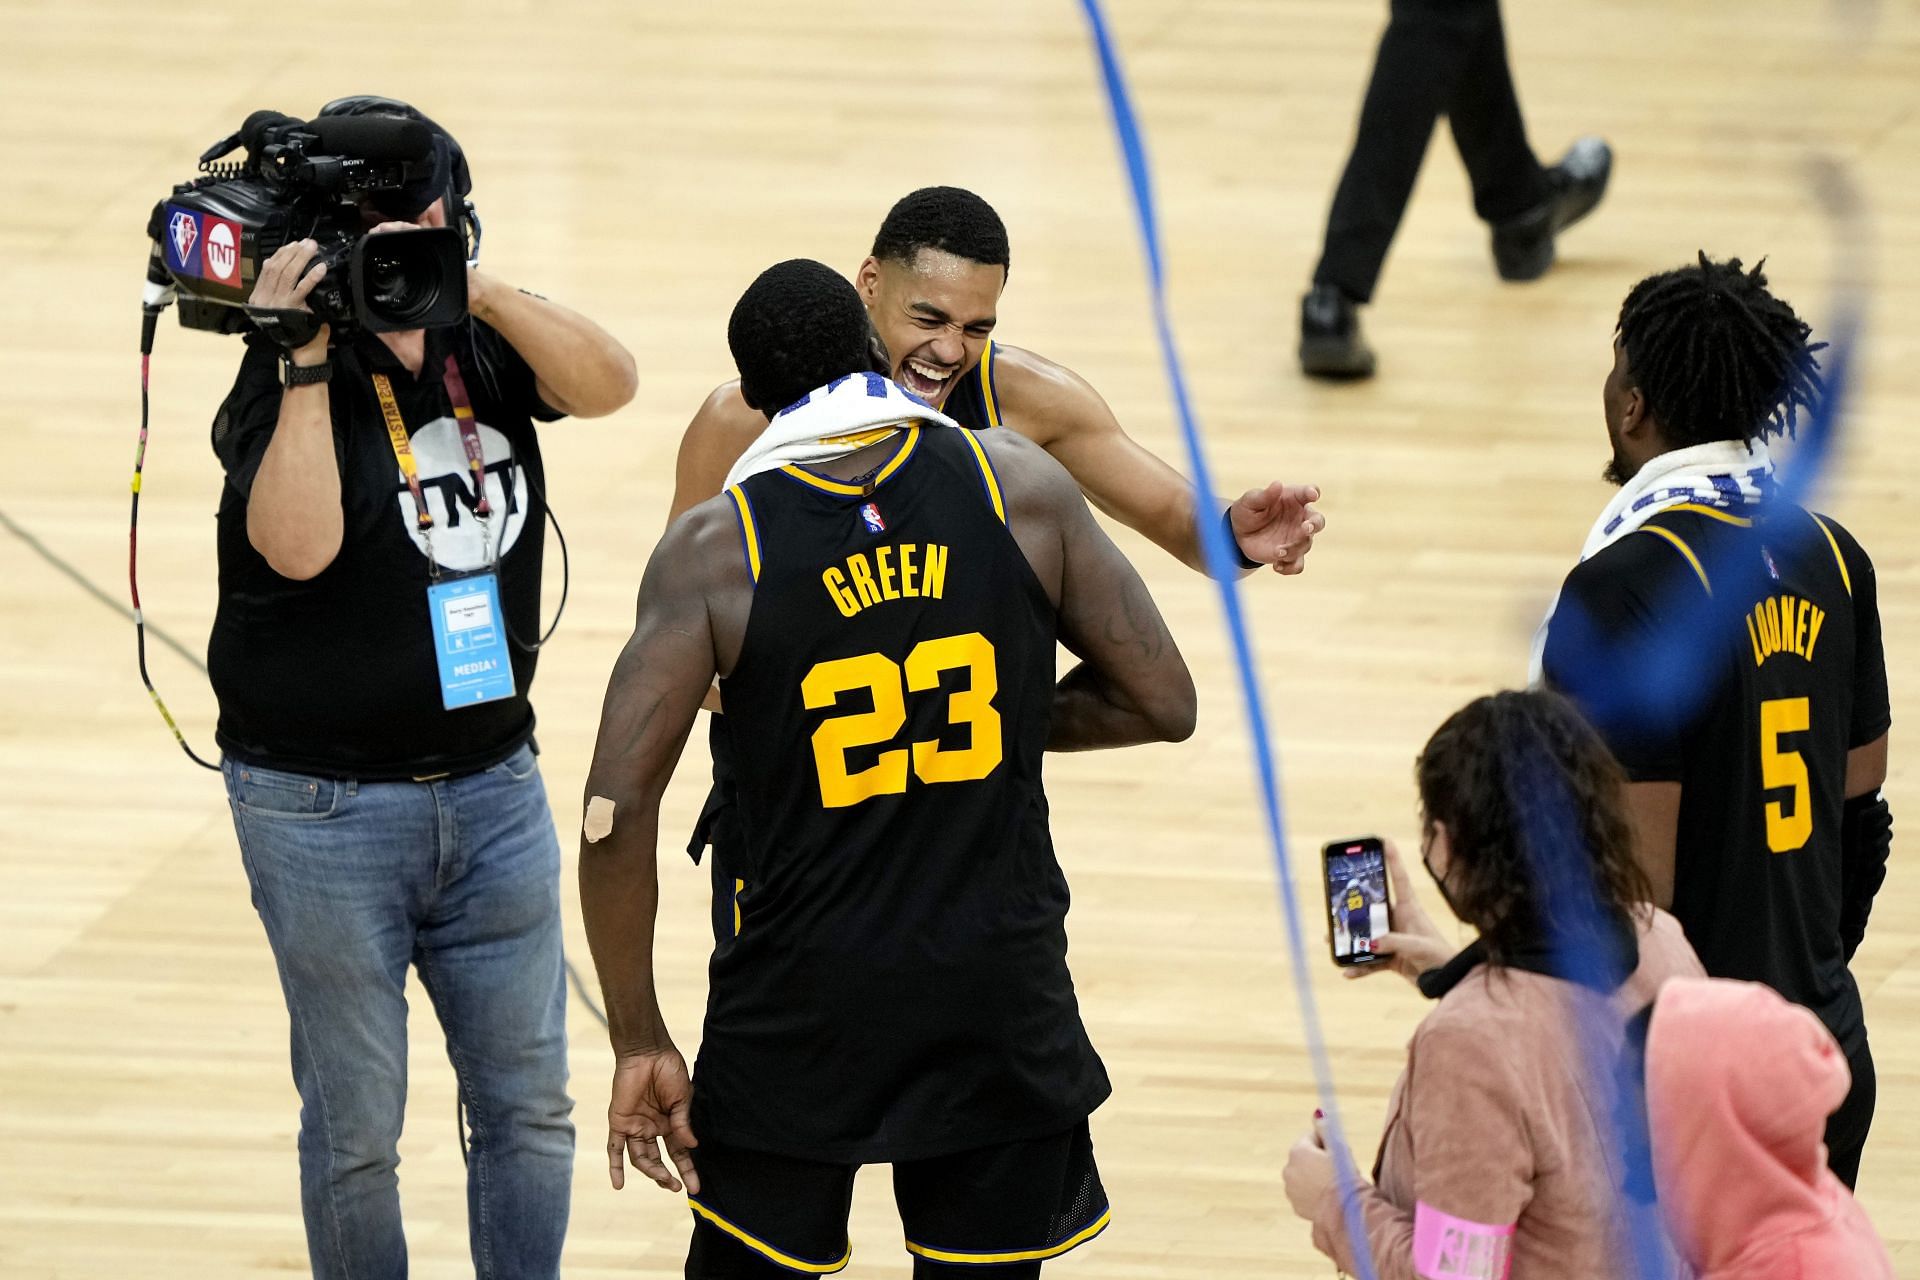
x=409 y=279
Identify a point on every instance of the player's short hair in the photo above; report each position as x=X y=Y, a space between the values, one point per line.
x=1535 y=810
x=950 y=219
x=1716 y=355
x=799 y=326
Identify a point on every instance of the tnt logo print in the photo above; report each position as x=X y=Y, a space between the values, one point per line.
x=223 y=251
x=461 y=540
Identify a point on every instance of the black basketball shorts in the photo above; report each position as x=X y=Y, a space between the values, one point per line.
x=1019 y=1202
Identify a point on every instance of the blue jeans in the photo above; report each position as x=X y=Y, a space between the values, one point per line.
x=354 y=881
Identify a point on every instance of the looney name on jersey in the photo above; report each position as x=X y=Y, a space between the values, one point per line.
x=1784 y=624
x=901 y=571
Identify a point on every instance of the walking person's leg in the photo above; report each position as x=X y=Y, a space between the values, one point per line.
x=334 y=870
x=490 y=958
x=1483 y=112
x=1420 y=57
x=1525 y=203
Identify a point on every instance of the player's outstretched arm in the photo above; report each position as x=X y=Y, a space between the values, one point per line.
x=652 y=698
x=1061 y=411
x=1132 y=685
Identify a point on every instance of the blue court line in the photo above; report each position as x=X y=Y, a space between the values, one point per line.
x=1223 y=567
x=1576 y=954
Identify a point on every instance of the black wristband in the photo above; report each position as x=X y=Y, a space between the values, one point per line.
x=1233 y=541
x=1866 y=840
x=294 y=375
x=291 y=327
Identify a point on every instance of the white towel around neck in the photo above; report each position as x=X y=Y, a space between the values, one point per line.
x=1727 y=474
x=843 y=417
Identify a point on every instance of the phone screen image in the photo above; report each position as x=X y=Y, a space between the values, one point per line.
x=1356 y=883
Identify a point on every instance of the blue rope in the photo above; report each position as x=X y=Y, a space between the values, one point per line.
x=1223 y=566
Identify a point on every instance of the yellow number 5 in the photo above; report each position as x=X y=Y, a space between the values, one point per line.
x=1785 y=831
x=881 y=677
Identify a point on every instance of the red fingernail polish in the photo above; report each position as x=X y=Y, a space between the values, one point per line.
x=1318 y=1114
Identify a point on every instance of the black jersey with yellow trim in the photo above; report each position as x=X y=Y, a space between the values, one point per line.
x=1739 y=654
x=975 y=398
x=974 y=402
x=894 y=985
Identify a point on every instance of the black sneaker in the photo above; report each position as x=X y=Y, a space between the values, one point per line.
x=1523 y=246
x=1330 y=342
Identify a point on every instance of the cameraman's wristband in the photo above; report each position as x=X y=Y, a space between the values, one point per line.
x=1233 y=540
x=291 y=327
x=296 y=375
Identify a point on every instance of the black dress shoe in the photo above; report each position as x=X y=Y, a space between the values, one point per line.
x=1523 y=246
x=1330 y=342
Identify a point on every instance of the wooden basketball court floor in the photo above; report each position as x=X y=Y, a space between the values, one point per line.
x=642 y=162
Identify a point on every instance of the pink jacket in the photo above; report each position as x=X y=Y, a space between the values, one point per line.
x=1492 y=1162
x=1739 y=1087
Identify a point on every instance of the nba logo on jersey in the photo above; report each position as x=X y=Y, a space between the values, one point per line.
x=870 y=514
x=1773 y=570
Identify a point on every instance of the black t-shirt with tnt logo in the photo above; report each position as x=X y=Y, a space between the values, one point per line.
x=1741 y=658
x=337 y=675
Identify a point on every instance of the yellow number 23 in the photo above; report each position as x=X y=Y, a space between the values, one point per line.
x=882 y=678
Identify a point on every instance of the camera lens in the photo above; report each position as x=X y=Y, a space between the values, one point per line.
x=409 y=279
x=399 y=289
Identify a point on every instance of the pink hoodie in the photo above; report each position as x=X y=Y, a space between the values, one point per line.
x=1739 y=1087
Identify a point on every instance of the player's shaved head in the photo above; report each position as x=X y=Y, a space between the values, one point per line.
x=799 y=326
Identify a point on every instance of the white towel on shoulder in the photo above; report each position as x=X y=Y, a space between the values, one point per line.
x=1728 y=474
x=843 y=417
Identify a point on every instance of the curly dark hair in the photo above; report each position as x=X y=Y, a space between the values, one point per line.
x=950 y=219
x=1716 y=355
x=1535 y=810
x=799 y=326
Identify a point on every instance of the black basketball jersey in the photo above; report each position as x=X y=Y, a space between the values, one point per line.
x=896 y=985
x=1741 y=658
x=975 y=400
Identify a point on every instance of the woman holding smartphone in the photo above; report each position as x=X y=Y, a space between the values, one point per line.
x=1500 y=1159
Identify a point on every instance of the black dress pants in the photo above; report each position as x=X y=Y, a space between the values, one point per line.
x=1438 y=57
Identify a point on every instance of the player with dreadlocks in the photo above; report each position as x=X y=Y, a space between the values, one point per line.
x=1730 y=654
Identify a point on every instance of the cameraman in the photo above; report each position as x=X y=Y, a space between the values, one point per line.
x=378 y=827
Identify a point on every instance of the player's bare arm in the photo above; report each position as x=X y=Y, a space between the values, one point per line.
x=719 y=433
x=1654 y=809
x=1059 y=410
x=691 y=613
x=1132 y=685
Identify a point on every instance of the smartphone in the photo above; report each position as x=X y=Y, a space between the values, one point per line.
x=1356 y=880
